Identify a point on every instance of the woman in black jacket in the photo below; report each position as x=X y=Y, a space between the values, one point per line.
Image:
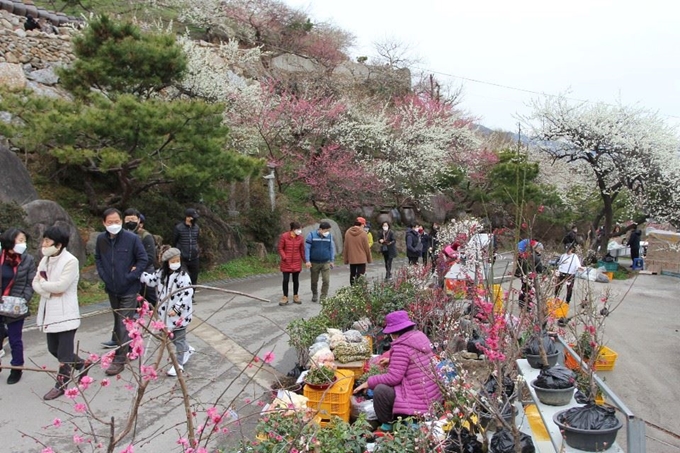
x=388 y=247
x=17 y=269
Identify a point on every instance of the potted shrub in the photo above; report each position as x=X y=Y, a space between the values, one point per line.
x=555 y=386
x=590 y=427
x=320 y=378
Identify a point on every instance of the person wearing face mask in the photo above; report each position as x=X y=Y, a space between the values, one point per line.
x=320 y=258
x=175 y=307
x=414 y=246
x=356 y=252
x=292 y=252
x=186 y=240
x=17 y=270
x=388 y=247
x=58 y=313
x=133 y=222
x=367 y=228
x=120 y=259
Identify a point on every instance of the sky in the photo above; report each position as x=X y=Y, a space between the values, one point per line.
x=596 y=50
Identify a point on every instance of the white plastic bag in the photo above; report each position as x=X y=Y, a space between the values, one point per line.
x=363 y=407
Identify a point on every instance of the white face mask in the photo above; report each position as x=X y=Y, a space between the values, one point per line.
x=385 y=228
x=298 y=232
x=114 y=229
x=174 y=266
x=19 y=248
x=325 y=234
x=49 y=251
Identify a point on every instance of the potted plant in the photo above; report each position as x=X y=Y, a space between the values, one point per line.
x=321 y=377
x=555 y=386
x=590 y=427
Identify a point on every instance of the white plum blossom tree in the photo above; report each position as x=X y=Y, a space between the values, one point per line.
x=624 y=149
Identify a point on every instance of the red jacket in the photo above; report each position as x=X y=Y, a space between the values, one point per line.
x=292 y=252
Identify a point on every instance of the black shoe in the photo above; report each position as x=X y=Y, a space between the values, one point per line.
x=14 y=376
x=109 y=344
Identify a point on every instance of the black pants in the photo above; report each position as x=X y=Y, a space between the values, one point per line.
x=296 y=282
x=192 y=269
x=123 y=307
x=388 y=265
x=569 y=278
x=425 y=258
x=383 y=403
x=356 y=271
x=412 y=260
x=61 y=345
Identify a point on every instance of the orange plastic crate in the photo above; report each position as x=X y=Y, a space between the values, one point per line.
x=357 y=370
x=325 y=418
x=606 y=360
x=335 y=399
x=557 y=309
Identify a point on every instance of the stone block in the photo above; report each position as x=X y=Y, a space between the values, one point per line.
x=12 y=76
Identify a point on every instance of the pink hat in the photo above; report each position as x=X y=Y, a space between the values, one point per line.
x=396 y=321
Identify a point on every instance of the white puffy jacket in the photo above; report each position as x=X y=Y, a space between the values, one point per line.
x=58 y=310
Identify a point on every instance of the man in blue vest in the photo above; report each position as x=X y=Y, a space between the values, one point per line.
x=320 y=258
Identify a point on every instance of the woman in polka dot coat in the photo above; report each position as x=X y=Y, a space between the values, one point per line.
x=175 y=308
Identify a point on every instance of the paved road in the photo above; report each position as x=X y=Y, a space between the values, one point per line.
x=229 y=330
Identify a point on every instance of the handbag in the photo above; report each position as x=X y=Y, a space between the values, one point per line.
x=383 y=248
x=13 y=307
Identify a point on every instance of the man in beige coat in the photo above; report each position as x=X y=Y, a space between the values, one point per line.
x=356 y=251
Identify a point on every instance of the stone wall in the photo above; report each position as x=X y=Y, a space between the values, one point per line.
x=38 y=49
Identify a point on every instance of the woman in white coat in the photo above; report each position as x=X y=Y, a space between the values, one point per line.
x=58 y=312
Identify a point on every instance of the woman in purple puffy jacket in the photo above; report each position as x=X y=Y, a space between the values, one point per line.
x=410 y=386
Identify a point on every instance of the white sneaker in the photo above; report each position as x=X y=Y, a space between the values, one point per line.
x=188 y=354
x=172 y=372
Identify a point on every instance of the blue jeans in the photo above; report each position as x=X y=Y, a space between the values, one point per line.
x=16 y=344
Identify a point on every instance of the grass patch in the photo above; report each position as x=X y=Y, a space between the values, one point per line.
x=242 y=267
x=91 y=292
x=622 y=273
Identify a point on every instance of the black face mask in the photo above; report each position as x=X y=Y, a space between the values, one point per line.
x=131 y=226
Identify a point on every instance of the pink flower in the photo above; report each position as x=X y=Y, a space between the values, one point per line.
x=149 y=373
x=157 y=326
x=80 y=408
x=183 y=441
x=47 y=450
x=93 y=358
x=85 y=382
x=269 y=357
x=104 y=383
x=72 y=392
x=56 y=423
x=107 y=359
x=77 y=439
x=129 y=449
x=541 y=209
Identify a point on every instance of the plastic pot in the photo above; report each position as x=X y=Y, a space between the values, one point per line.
x=535 y=360
x=488 y=421
x=587 y=439
x=554 y=397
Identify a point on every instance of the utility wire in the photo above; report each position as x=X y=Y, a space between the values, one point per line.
x=523 y=90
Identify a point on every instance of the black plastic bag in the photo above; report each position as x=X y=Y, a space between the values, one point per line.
x=504 y=442
x=473 y=344
x=557 y=377
x=491 y=386
x=591 y=416
x=533 y=345
x=461 y=441
x=296 y=371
